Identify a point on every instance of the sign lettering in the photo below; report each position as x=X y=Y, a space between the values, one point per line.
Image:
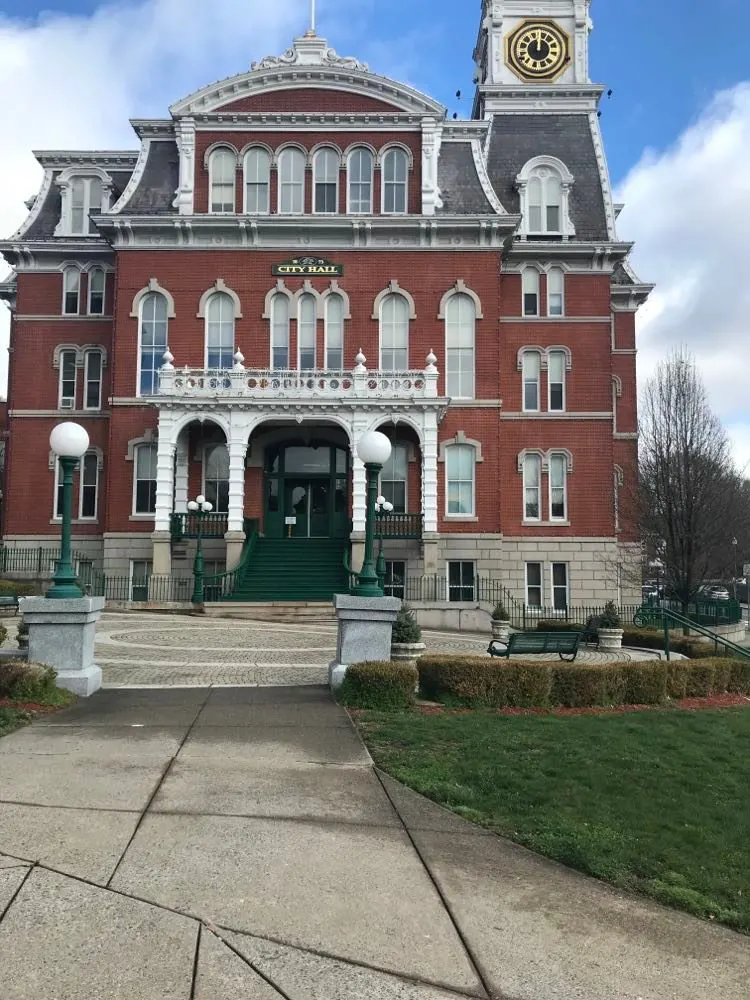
x=308 y=267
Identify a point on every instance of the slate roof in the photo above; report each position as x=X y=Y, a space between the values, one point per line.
x=518 y=138
x=43 y=227
x=460 y=187
x=620 y=276
x=155 y=193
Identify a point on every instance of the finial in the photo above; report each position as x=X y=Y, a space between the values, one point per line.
x=239 y=359
x=359 y=363
x=431 y=360
x=168 y=358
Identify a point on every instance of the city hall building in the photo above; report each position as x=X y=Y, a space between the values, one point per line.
x=306 y=251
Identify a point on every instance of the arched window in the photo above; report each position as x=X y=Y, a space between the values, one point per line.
x=222 y=166
x=71 y=291
x=326 y=180
x=85 y=200
x=306 y=332
x=216 y=477
x=97 y=284
x=555 y=291
x=544 y=185
x=153 y=340
x=460 y=322
x=280 y=332
x=394 y=334
x=532 y=487
x=257 y=181
x=291 y=182
x=459 y=473
x=394 y=478
x=532 y=366
x=220 y=332
x=360 y=169
x=395 y=177
x=530 y=283
x=334 y=332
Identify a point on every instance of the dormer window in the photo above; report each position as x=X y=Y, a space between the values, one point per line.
x=544 y=187
x=83 y=195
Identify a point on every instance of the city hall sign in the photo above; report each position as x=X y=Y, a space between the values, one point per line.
x=308 y=267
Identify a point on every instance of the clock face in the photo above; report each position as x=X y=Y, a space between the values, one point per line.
x=538 y=50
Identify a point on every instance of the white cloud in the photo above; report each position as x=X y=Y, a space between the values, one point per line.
x=688 y=209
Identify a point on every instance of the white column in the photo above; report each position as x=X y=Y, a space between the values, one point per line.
x=430 y=472
x=162 y=544
x=181 y=475
x=237 y=452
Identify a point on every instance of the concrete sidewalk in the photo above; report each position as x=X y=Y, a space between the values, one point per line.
x=218 y=844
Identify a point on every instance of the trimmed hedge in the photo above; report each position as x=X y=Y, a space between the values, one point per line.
x=642 y=638
x=8 y=588
x=476 y=682
x=24 y=681
x=3 y=634
x=379 y=685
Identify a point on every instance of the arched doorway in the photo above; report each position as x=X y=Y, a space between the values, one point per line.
x=306 y=490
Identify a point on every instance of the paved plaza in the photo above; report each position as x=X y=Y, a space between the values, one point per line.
x=238 y=844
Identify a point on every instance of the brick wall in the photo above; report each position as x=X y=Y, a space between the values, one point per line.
x=314 y=100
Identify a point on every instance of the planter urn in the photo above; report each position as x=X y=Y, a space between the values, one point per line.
x=610 y=639
x=403 y=652
x=500 y=629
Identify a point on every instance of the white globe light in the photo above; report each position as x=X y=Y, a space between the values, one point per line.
x=200 y=500
x=69 y=440
x=380 y=501
x=208 y=507
x=388 y=507
x=192 y=506
x=374 y=448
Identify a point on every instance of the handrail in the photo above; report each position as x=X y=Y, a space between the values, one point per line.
x=701 y=630
x=350 y=574
x=227 y=582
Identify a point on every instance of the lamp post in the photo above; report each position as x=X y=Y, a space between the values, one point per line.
x=382 y=506
x=374 y=449
x=200 y=507
x=69 y=442
x=734 y=567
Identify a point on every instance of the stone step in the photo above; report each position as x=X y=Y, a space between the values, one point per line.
x=275 y=611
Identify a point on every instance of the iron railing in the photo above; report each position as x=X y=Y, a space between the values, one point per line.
x=672 y=619
x=34 y=561
x=184 y=526
x=709 y=613
x=398 y=525
x=156 y=589
x=223 y=586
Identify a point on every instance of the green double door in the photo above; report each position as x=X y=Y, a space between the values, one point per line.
x=307 y=493
x=307 y=508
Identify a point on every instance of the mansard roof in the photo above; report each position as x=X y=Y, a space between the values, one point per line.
x=309 y=63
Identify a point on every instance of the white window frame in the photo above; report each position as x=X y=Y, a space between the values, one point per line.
x=463 y=515
x=453 y=302
x=352 y=153
x=325 y=151
x=213 y=299
x=298 y=156
x=326 y=322
x=556 y=275
x=272 y=325
x=134 y=507
x=81 y=470
x=87 y=358
x=553 y=587
x=400 y=447
x=527 y=459
x=553 y=457
x=545 y=170
x=404 y=305
x=462 y=562
x=388 y=585
x=87 y=209
x=264 y=183
x=205 y=481
x=149 y=574
x=99 y=272
x=56 y=516
x=147 y=298
x=74 y=272
x=564 y=361
x=527 y=381
x=394 y=152
x=307 y=299
x=539 y=586
x=60 y=396
x=229 y=154
x=530 y=285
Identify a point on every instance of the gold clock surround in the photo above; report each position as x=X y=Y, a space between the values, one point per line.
x=537 y=50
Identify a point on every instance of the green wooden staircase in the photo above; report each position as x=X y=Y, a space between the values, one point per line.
x=292 y=569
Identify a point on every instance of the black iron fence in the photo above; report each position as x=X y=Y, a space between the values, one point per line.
x=36 y=561
x=156 y=589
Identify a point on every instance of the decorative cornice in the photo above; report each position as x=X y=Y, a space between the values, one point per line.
x=309 y=50
x=484 y=177
x=119 y=159
x=36 y=207
x=283 y=121
x=135 y=178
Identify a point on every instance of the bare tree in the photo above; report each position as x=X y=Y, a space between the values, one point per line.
x=690 y=493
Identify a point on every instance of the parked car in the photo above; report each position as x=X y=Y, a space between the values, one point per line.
x=715 y=594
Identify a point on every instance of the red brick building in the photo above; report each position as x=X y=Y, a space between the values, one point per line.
x=306 y=251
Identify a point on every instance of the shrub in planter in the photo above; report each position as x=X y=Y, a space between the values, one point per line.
x=500 y=622
x=645 y=683
x=379 y=685
x=406 y=627
x=23 y=681
x=582 y=685
x=499 y=613
x=610 y=617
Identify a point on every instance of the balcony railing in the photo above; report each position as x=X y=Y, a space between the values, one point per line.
x=184 y=526
x=398 y=526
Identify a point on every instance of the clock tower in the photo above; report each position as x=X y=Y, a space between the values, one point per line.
x=528 y=43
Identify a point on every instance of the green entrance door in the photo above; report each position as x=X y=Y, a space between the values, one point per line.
x=307 y=492
x=307 y=511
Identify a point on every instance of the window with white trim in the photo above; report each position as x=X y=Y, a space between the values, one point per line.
x=68 y=379
x=560 y=586
x=89 y=486
x=153 y=340
x=532 y=488
x=220 y=332
x=459 y=474
x=394 y=478
x=531 y=365
x=461 y=581
x=534 y=590
x=334 y=332
x=530 y=284
x=280 y=332
x=92 y=380
x=544 y=193
x=395 y=175
x=326 y=166
x=291 y=181
x=144 y=479
x=222 y=168
x=140 y=575
x=307 y=325
x=57 y=496
x=394 y=584
x=360 y=168
x=556 y=365
x=460 y=327
x=85 y=200
x=558 y=493
x=555 y=291
x=71 y=291
x=216 y=477
x=394 y=334
x=257 y=181
x=97 y=286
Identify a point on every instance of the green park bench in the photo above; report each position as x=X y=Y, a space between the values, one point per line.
x=564 y=643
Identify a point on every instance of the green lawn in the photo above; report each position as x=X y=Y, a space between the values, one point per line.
x=657 y=802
